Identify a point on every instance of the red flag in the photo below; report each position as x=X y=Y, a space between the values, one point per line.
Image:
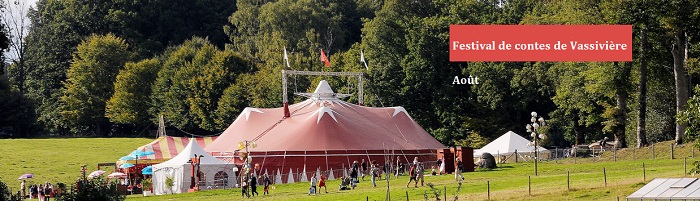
x=324 y=59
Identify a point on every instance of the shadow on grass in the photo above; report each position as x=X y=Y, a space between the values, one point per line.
x=499 y=168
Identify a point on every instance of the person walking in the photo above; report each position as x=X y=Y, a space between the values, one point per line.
x=41 y=192
x=313 y=185
x=253 y=185
x=364 y=169
x=412 y=175
x=420 y=175
x=458 y=170
x=47 y=191
x=442 y=165
x=322 y=183
x=354 y=172
x=398 y=167
x=375 y=174
x=267 y=183
x=23 y=187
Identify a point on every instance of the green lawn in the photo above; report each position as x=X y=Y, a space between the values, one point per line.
x=510 y=182
x=59 y=160
x=56 y=160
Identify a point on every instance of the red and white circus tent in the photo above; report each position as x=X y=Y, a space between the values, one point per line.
x=166 y=147
x=324 y=132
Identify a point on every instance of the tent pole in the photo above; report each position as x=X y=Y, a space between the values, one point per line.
x=284 y=159
x=326 y=159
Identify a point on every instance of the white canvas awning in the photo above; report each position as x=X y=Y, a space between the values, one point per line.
x=506 y=144
x=217 y=173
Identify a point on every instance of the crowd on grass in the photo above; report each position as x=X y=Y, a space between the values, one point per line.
x=358 y=172
x=41 y=192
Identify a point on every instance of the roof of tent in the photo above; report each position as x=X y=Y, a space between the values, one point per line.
x=324 y=122
x=186 y=154
x=507 y=144
x=669 y=189
x=167 y=147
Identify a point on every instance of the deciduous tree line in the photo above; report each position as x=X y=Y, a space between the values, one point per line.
x=111 y=67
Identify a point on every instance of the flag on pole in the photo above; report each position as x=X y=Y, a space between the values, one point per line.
x=286 y=59
x=362 y=59
x=324 y=59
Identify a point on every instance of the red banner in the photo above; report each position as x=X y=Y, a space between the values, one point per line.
x=540 y=43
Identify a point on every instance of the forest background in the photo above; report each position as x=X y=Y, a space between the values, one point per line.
x=107 y=68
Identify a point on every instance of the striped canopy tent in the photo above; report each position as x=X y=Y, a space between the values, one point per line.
x=165 y=148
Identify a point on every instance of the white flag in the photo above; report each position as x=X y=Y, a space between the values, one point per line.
x=286 y=59
x=362 y=59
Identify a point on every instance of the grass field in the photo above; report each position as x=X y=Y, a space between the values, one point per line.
x=59 y=160
x=56 y=160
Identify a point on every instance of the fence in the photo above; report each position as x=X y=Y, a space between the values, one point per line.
x=663 y=150
x=570 y=182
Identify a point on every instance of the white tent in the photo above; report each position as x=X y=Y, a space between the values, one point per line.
x=217 y=173
x=506 y=144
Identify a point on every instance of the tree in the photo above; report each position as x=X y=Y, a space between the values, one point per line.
x=691 y=117
x=607 y=84
x=58 y=27
x=642 y=13
x=90 y=82
x=4 y=40
x=191 y=83
x=680 y=21
x=15 y=17
x=130 y=102
x=15 y=112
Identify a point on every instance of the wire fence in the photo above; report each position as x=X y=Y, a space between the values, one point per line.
x=662 y=150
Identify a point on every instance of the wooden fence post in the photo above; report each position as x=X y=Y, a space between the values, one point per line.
x=615 y=154
x=672 y=151
x=605 y=177
x=529 y=186
x=685 y=167
x=407 y=196
x=488 y=189
x=653 y=155
x=445 y=193
x=644 y=169
x=568 y=181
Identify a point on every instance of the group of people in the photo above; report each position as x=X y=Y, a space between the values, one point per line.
x=416 y=172
x=358 y=172
x=41 y=192
x=458 y=170
x=321 y=182
x=249 y=185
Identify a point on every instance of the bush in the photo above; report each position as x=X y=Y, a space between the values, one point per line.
x=5 y=193
x=146 y=184
x=94 y=189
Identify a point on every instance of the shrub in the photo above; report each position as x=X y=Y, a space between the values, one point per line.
x=170 y=182
x=95 y=189
x=146 y=183
x=6 y=194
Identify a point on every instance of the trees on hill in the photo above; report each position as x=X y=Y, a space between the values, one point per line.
x=200 y=63
x=90 y=83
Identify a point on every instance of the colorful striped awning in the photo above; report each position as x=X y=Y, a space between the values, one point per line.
x=168 y=147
